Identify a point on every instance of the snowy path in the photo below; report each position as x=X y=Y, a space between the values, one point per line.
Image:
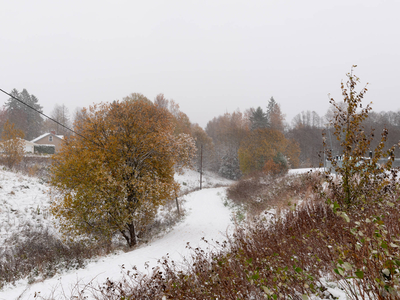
x=206 y=217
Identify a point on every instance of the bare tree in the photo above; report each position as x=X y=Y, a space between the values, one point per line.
x=61 y=114
x=307 y=132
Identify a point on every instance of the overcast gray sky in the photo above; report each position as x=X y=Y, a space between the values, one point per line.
x=211 y=57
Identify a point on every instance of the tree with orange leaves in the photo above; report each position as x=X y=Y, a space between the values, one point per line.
x=261 y=145
x=268 y=150
x=181 y=120
x=12 y=144
x=114 y=179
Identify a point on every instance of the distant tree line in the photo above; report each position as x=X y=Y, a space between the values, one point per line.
x=307 y=128
x=232 y=144
x=251 y=141
x=260 y=140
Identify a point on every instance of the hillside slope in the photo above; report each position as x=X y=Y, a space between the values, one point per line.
x=206 y=216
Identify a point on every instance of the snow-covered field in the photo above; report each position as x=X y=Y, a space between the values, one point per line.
x=24 y=201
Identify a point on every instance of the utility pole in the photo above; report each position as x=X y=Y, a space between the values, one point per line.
x=201 y=166
x=177 y=205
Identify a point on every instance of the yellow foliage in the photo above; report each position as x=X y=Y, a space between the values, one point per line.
x=114 y=179
x=181 y=120
x=263 y=145
x=12 y=144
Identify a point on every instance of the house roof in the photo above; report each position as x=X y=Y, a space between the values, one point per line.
x=29 y=143
x=46 y=134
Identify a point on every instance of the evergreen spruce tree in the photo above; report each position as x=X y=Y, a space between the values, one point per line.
x=230 y=167
x=25 y=118
x=15 y=111
x=258 y=119
x=270 y=107
x=274 y=115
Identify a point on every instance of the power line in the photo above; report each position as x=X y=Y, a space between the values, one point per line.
x=31 y=107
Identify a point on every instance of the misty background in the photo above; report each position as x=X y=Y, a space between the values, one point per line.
x=211 y=57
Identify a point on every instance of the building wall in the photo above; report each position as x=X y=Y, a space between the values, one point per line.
x=57 y=142
x=29 y=147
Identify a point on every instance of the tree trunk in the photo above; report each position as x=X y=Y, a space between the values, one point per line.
x=130 y=236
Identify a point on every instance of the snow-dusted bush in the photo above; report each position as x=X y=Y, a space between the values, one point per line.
x=44 y=149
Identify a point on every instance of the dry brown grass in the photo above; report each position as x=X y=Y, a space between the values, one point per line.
x=260 y=191
x=286 y=257
x=32 y=165
x=37 y=254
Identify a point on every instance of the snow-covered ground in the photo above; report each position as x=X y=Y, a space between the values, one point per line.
x=24 y=201
x=304 y=170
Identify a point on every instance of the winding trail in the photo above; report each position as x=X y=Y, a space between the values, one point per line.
x=206 y=217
